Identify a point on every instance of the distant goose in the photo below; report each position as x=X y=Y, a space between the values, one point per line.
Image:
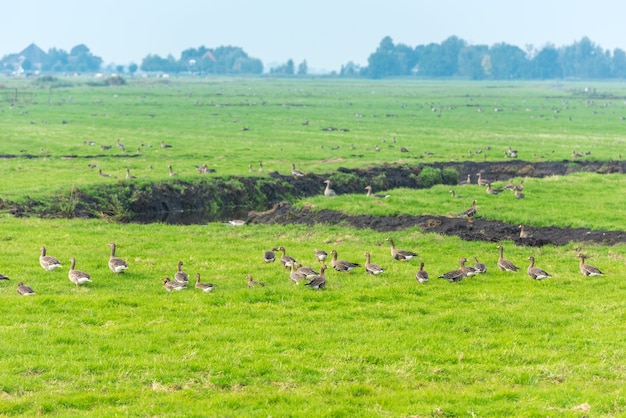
x=518 y=194
x=480 y=267
x=101 y=174
x=180 y=276
x=328 y=191
x=252 y=283
x=421 y=275
x=285 y=259
x=342 y=265
x=269 y=256
x=171 y=171
x=295 y=275
x=260 y=167
x=481 y=181
x=295 y=172
x=77 y=277
x=455 y=196
x=587 y=269
x=455 y=276
x=471 y=212
x=321 y=255
x=24 y=290
x=318 y=282
x=164 y=145
x=205 y=287
x=369 y=193
x=172 y=285
x=503 y=263
x=491 y=190
x=48 y=262
x=128 y=175
x=116 y=264
x=401 y=255
x=522 y=232
x=536 y=273
x=372 y=268
x=467 y=181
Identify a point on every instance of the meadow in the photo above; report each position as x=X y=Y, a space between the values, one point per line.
x=498 y=344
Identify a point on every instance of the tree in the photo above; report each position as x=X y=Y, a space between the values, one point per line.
x=391 y=60
x=119 y=69
x=618 y=65
x=584 y=59
x=508 y=62
x=303 y=68
x=545 y=64
x=132 y=68
x=471 y=62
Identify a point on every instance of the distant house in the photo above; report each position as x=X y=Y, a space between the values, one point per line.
x=31 y=59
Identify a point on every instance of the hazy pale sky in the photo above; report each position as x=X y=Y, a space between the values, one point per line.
x=327 y=33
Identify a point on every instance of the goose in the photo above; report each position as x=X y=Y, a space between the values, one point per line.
x=421 y=275
x=328 y=191
x=3 y=277
x=128 y=175
x=171 y=171
x=466 y=181
x=250 y=168
x=536 y=273
x=400 y=255
x=252 y=283
x=318 y=282
x=372 y=268
x=24 y=290
x=503 y=263
x=342 y=265
x=455 y=275
x=370 y=194
x=269 y=256
x=101 y=174
x=520 y=186
x=471 y=212
x=116 y=264
x=308 y=272
x=170 y=285
x=260 y=167
x=587 y=269
x=78 y=277
x=481 y=181
x=295 y=275
x=295 y=172
x=180 y=276
x=518 y=194
x=48 y=262
x=468 y=270
x=321 y=255
x=480 y=267
x=523 y=233
x=205 y=287
x=164 y=145
x=491 y=190
x=455 y=196
x=285 y=260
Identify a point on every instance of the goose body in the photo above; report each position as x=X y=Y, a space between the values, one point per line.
x=321 y=255
x=454 y=195
x=480 y=267
x=24 y=290
x=269 y=256
x=421 y=275
x=172 y=285
x=518 y=194
x=295 y=172
x=455 y=276
x=252 y=282
x=342 y=265
x=78 y=277
x=470 y=213
x=318 y=282
x=536 y=273
x=3 y=277
x=372 y=268
x=328 y=191
x=205 y=287
x=400 y=255
x=466 y=181
x=468 y=270
x=370 y=194
x=503 y=263
x=116 y=264
x=587 y=269
x=48 y=262
x=491 y=190
x=308 y=272
x=180 y=276
x=481 y=181
x=285 y=260
x=171 y=171
x=523 y=233
x=295 y=275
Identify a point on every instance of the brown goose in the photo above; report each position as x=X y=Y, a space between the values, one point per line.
x=171 y=171
x=421 y=275
x=48 y=262
x=342 y=265
x=455 y=196
x=536 y=273
x=523 y=233
x=172 y=285
x=295 y=172
x=503 y=263
x=372 y=268
x=518 y=194
x=481 y=181
x=308 y=272
x=116 y=264
x=468 y=270
x=205 y=287
x=295 y=275
x=180 y=276
x=269 y=256
x=471 y=212
x=328 y=191
x=128 y=175
x=455 y=275
x=400 y=255
x=479 y=267
x=321 y=255
x=77 y=277
x=318 y=282
x=587 y=269
x=24 y=290
x=493 y=191
x=252 y=283
x=370 y=194
x=285 y=260
x=467 y=181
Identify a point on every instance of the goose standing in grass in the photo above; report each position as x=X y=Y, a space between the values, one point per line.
x=116 y=264
x=171 y=171
x=518 y=194
x=308 y=272
x=128 y=175
x=252 y=282
x=455 y=196
x=400 y=255
x=471 y=212
x=180 y=276
x=172 y=285
x=285 y=259
x=493 y=191
x=318 y=282
x=587 y=269
x=372 y=268
x=480 y=180
x=421 y=275
x=101 y=174
x=370 y=194
x=342 y=266
x=78 y=277
x=536 y=273
x=468 y=270
x=48 y=262
x=455 y=275
x=269 y=256
x=321 y=255
x=479 y=267
x=328 y=191
x=261 y=167
x=164 y=145
x=503 y=263
x=295 y=275
x=24 y=290
x=295 y=172
x=205 y=287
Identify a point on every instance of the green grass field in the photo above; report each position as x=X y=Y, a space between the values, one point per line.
x=499 y=344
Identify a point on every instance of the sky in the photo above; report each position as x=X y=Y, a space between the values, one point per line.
x=325 y=33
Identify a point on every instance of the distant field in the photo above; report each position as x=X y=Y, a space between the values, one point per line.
x=499 y=344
